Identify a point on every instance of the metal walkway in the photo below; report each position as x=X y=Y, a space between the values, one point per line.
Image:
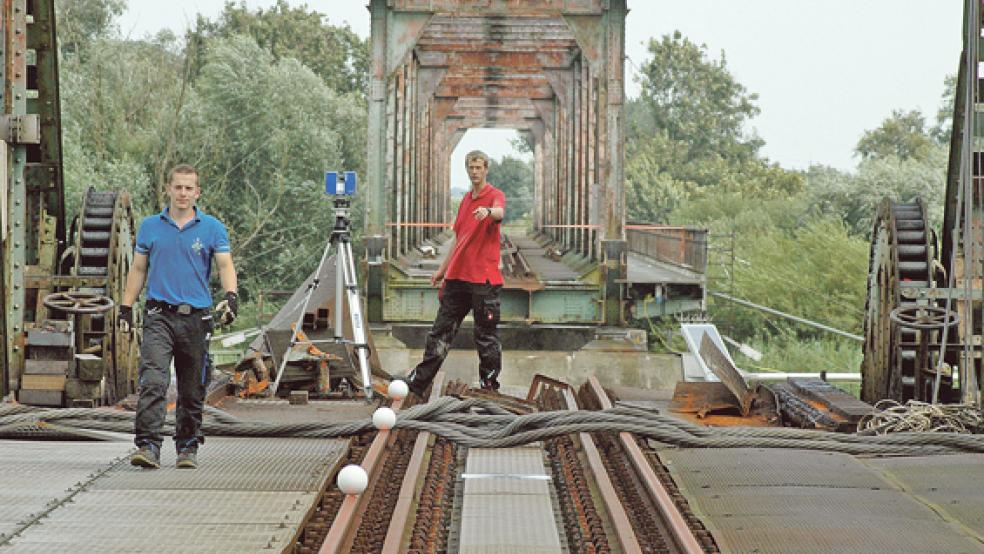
x=249 y=495
x=507 y=506
x=795 y=501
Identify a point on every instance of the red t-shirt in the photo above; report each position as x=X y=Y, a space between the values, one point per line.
x=476 y=253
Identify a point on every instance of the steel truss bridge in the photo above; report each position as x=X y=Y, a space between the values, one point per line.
x=554 y=71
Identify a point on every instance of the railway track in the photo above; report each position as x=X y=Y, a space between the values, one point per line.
x=608 y=491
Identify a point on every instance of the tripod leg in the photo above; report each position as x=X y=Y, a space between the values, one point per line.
x=355 y=312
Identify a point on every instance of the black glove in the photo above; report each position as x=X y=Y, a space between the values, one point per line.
x=228 y=308
x=125 y=319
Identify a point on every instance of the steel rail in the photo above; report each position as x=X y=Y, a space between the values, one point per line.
x=616 y=511
x=680 y=531
x=349 y=517
x=396 y=533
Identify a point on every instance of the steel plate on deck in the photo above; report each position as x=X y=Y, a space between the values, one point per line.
x=487 y=471
x=506 y=505
x=794 y=501
x=35 y=473
x=248 y=495
x=696 y=468
x=953 y=485
x=241 y=464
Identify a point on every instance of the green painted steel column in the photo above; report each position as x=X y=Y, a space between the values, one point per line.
x=375 y=230
x=15 y=247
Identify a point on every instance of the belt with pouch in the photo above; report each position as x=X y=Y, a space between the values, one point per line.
x=182 y=309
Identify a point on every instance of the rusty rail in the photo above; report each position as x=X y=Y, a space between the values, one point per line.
x=677 y=524
x=401 y=514
x=616 y=512
x=346 y=522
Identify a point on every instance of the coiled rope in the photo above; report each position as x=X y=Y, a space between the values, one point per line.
x=892 y=417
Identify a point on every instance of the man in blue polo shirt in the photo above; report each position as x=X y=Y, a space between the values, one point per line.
x=173 y=256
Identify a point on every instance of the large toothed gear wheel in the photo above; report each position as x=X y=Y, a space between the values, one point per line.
x=104 y=247
x=901 y=258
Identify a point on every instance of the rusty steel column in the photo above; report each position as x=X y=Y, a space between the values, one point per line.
x=614 y=251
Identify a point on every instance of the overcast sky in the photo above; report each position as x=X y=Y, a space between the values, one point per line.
x=824 y=70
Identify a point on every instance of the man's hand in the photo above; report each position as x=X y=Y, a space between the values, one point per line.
x=481 y=213
x=437 y=277
x=125 y=319
x=228 y=309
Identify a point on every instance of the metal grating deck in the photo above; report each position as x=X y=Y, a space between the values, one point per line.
x=248 y=495
x=507 y=507
x=30 y=479
x=950 y=485
x=793 y=501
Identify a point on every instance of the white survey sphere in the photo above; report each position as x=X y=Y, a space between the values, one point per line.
x=384 y=418
x=398 y=389
x=352 y=479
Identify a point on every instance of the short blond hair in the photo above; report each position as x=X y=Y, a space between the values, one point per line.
x=184 y=169
x=476 y=155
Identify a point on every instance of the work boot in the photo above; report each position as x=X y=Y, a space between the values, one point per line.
x=187 y=459
x=149 y=456
x=489 y=383
x=415 y=386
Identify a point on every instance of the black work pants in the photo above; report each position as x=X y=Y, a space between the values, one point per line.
x=184 y=338
x=459 y=298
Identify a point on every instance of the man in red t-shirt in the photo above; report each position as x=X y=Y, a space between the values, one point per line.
x=470 y=282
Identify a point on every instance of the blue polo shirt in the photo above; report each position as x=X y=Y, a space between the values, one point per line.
x=180 y=260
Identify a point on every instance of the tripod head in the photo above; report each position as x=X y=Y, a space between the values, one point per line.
x=343 y=190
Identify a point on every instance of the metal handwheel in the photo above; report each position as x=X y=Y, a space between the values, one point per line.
x=924 y=317
x=76 y=302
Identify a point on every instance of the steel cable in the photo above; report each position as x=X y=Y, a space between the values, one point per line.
x=481 y=423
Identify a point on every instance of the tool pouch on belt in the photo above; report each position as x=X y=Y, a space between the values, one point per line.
x=488 y=315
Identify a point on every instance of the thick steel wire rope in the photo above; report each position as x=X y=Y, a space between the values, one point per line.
x=483 y=424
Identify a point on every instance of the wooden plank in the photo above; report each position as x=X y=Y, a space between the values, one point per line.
x=43 y=382
x=46 y=367
x=40 y=397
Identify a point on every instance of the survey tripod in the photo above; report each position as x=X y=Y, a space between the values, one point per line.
x=346 y=284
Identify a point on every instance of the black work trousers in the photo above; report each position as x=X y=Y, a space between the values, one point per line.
x=459 y=298
x=184 y=338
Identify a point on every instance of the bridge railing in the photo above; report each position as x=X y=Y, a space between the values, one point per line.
x=680 y=246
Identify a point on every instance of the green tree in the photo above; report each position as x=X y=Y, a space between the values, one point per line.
x=515 y=178
x=903 y=135
x=696 y=99
x=944 y=116
x=262 y=131
x=854 y=197
x=120 y=108
x=335 y=53
x=83 y=21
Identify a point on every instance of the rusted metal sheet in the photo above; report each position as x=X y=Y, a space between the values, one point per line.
x=677 y=524
x=728 y=373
